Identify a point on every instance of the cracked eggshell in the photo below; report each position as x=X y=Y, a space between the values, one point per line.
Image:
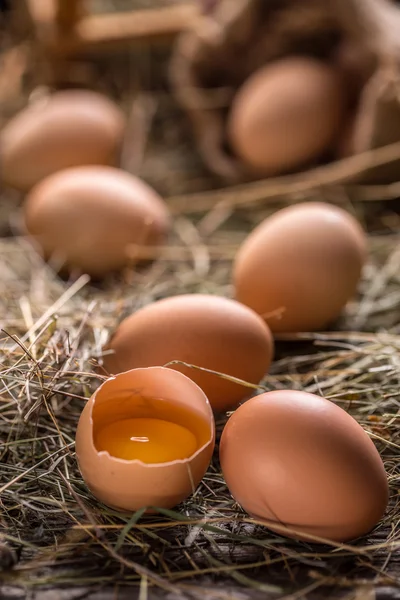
x=69 y=128
x=94 y=219
x=129 y=485
x=298 y=461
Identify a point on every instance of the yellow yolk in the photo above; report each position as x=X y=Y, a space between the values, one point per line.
x=145 y=439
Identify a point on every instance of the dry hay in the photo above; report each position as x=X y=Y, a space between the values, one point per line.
x=54 y=533
x=52 y=333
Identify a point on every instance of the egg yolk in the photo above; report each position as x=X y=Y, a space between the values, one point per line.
x=145 y=439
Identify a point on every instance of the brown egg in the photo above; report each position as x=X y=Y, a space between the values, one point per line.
x=70 y=128
x=207 y=331
x=299 y=267
x=286 y=114
x=298 y=461
x=94 y=219
x=145 y=439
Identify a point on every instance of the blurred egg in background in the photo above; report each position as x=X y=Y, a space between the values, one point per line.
x=66 y=129
x=286 y=114
x=94 y=219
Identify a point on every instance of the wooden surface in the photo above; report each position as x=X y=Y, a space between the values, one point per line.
x=383 y=593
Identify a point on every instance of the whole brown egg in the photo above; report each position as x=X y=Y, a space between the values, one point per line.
x=286 y=114
x=207 y=331
x=68 y=129
x=94 y=219
x=300 y=266
x=303 y=466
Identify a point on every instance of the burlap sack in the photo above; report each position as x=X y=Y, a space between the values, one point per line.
x=236 y=37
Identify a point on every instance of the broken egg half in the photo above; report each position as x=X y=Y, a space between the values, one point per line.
x=145 y=439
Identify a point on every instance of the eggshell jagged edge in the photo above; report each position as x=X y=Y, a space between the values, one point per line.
x=109 y=477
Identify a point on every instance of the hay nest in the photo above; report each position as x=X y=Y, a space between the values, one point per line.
x=53 y=533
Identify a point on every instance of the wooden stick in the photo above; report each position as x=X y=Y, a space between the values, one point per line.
x=97 y=33
x=56 y=43
x=42 y=13
x=140 y=24
x=68 y=13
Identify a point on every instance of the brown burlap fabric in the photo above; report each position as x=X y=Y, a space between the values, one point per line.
x=236 y=37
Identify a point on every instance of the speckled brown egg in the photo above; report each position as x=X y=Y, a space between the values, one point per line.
x=303 y=466
x=145 y=439
x=300 y=266
x=69 y=128
x=286 y=114
x=207 y=331
x=94 y=219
